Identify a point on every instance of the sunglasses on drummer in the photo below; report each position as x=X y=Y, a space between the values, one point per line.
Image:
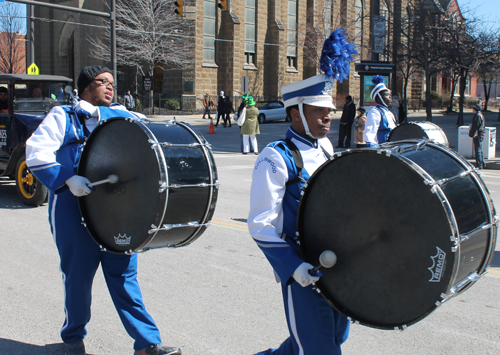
x=105 y=82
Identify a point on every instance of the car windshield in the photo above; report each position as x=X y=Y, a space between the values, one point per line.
x=39 y=96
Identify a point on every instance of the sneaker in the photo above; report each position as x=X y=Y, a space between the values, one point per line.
x=158 y=349
x=75 y=348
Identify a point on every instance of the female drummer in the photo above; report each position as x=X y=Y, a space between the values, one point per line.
x=52 y=154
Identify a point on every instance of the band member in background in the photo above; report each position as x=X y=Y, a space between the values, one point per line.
x=279 y=175
x=380 y=121
x=52 y=154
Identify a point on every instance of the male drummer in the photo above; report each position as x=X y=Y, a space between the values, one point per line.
x=380 y=120
x=52 y=154
x=315 y=327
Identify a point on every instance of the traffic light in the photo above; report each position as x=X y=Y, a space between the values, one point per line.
x=179 y=4
x=222 y=5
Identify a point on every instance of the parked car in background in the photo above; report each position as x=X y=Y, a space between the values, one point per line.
x=271 y=111
x=30 y=98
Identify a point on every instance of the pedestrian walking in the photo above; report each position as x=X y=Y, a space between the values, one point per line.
x=208 y=103
x=128 y=101
x=476 y=132
x=346 y=121
x=250 y=127
x=359 y=128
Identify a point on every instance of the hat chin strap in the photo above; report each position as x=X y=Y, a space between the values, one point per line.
x=381 y=100
x=304 y=122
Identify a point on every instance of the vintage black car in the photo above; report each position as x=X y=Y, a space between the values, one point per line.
x=30 y=98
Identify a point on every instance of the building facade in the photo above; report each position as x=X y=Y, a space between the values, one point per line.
x=252 y=46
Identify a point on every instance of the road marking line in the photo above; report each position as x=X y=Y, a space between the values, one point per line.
x=229 y=223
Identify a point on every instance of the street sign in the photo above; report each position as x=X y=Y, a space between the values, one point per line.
x=147 y=82
x=33 y=69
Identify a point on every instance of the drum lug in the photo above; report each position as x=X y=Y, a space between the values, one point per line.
x=84 y=223
x=401 y=328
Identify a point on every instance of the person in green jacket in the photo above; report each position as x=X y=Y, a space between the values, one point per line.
x=250 y=127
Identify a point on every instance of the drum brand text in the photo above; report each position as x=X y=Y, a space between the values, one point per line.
x=438 y=265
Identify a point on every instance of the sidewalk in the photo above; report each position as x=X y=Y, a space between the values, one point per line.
x=447 y=122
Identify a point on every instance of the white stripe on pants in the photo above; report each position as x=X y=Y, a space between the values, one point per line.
x=253 y=140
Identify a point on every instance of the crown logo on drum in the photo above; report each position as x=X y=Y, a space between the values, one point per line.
x=122 y=239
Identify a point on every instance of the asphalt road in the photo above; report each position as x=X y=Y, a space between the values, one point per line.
x=217 y=295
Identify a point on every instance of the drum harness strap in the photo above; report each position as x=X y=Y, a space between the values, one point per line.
x=86 y=131
x=299 y=163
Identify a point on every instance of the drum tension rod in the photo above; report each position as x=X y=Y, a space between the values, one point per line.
x=463 y=237
x=446 y=180
x=155 y=144
x=164 y=186
x=167 y=227
x=471 y=278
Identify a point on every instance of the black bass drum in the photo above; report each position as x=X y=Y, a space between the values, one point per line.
x=412 y=224
x=418 y=130
x=167 y=188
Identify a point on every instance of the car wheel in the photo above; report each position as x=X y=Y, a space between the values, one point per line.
x=31 y=191
x=262 y=118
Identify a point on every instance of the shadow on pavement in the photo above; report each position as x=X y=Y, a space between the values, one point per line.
x=495 y=262
x=13 y=347
x=9 y=199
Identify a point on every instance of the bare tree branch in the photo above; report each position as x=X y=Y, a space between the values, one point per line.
x=12 y=45
x=149 y=34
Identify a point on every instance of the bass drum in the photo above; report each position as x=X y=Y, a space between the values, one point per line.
x=412 y=225
x=419 y=130
x=167 y=187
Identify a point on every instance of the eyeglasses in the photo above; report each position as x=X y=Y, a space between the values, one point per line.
x=105 y=82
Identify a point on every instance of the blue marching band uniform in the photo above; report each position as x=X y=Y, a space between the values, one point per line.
x=279 y=176
x=314 y=326
x=63 y=133
x=380 y=121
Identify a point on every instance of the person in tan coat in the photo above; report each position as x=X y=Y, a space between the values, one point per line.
x=250 y=127
x=359 y=128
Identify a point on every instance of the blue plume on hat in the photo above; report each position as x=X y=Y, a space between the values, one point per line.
x=377 y=79
x=336 y=55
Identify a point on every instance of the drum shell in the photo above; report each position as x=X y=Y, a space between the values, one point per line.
x=418 y=130
x=376 y=211
x=158 y=184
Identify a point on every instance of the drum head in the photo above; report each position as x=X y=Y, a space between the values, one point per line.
x=373 y=210
x=115 y=212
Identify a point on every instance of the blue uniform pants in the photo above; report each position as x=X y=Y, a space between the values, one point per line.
x=315 y=327
x=80 y=257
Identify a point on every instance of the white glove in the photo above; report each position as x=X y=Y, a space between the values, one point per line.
x=302 y=276
x=84 y=108
x=78 y=185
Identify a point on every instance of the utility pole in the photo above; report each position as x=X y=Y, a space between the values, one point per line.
x=396 y=24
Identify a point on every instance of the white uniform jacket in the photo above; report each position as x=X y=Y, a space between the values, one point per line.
x=267 y=215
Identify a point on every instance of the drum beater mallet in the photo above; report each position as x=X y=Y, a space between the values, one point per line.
x=326 y=259
x=112 y=179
